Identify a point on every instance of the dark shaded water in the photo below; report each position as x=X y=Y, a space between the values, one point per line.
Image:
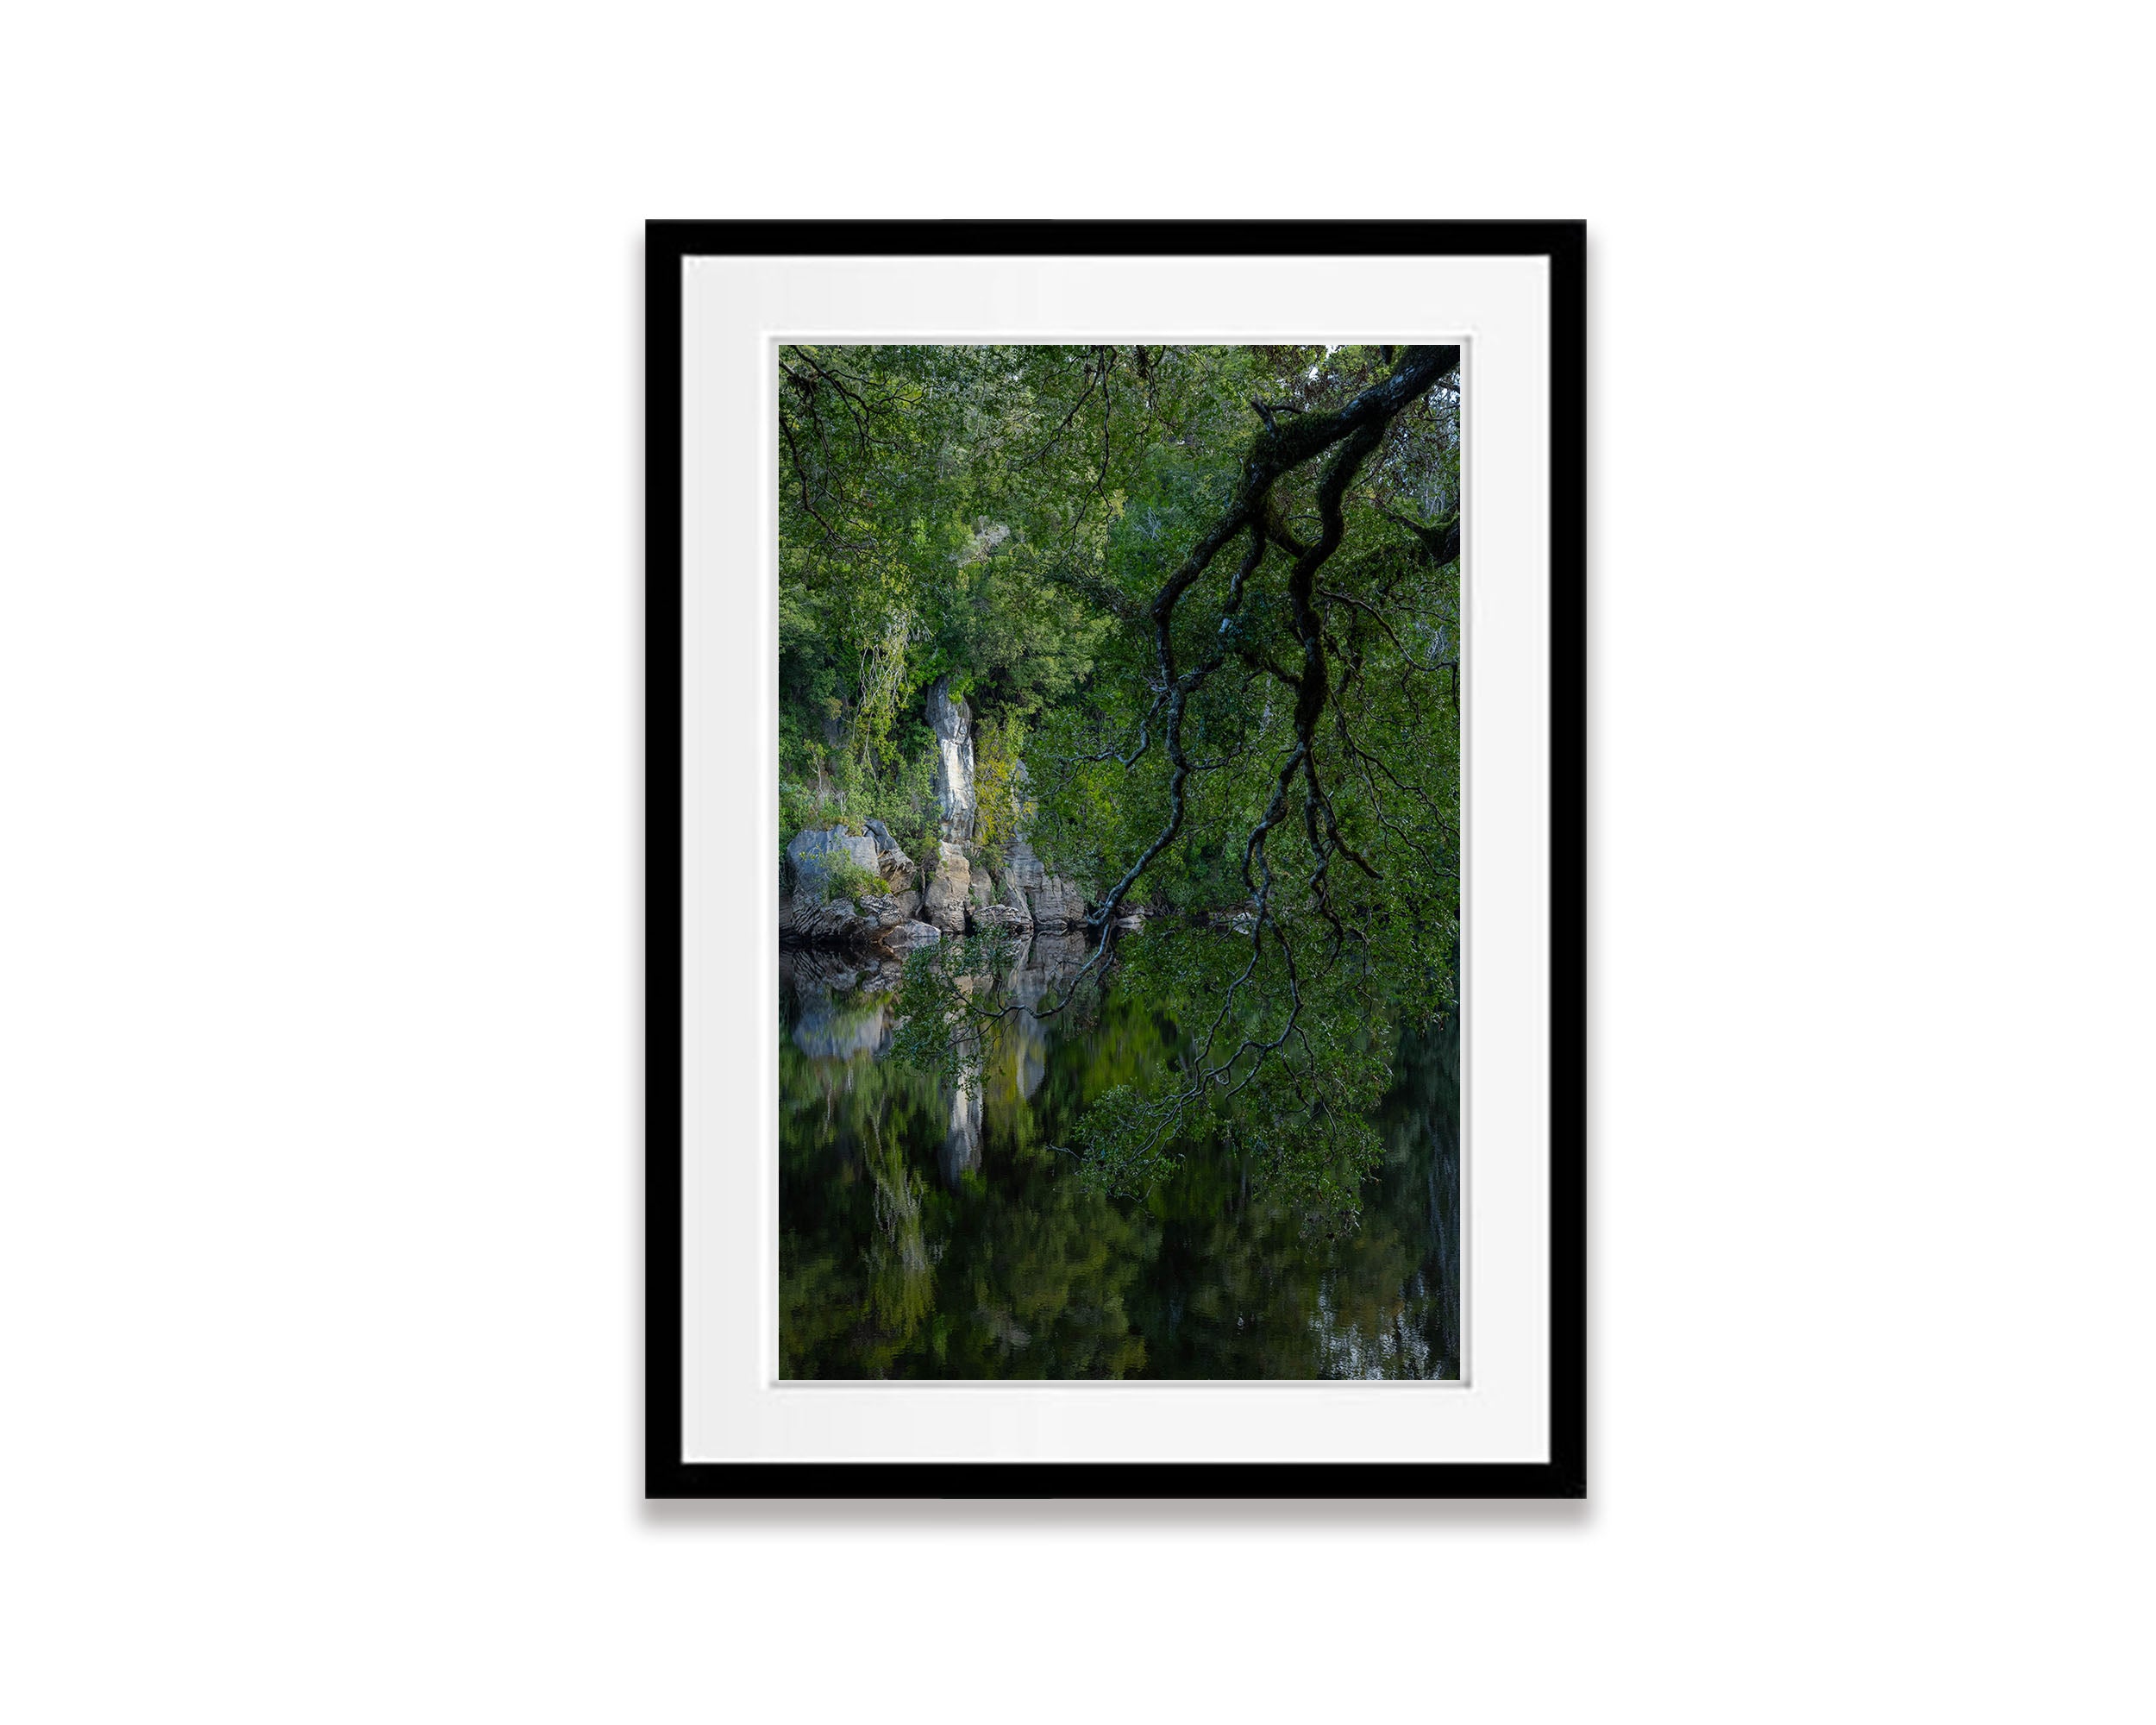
x=925 y=1232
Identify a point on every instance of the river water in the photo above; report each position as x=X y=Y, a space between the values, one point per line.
x=926 y=1232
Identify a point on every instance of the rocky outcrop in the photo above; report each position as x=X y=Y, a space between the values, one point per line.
x=956 y=893
x=983 y=917
x=1052 y=902
x=898 y=869
x=1057 y=904
x=812 y=851
x=909 y=935
x=950 y=888
x=869 y=920
x=817 y=913
x=992 y=906
x=952 y=722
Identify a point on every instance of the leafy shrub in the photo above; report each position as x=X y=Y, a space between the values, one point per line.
x=1002 y=810
x=847 y=879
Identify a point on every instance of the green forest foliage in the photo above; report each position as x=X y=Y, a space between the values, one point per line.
x=1213 y=595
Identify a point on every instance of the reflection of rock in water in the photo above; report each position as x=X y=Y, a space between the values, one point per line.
x=825 y=1029
x=809 y=969
x=841 y=1010
x=1029 y=1048
x=826 y=1026
x=961 y=1144
x=1050 y=961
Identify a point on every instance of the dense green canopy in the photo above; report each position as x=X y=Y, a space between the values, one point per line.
x=1211 y=594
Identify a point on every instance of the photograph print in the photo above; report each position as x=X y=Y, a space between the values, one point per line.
x=1119 y=700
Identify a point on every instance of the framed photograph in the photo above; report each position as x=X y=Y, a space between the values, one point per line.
x=1117 y=859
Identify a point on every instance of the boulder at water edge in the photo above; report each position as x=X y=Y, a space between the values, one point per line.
x=949 y=888
x=813 y=851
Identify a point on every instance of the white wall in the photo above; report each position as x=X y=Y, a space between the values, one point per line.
x=319 y=685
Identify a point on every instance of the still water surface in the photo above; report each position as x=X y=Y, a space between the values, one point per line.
x=930 y=1232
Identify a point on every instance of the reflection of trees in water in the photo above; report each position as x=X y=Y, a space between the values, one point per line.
x=933 y=1232
x=1242 y=1290
x=901 y=1281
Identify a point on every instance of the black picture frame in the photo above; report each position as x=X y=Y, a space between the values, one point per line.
x=668 y=1474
